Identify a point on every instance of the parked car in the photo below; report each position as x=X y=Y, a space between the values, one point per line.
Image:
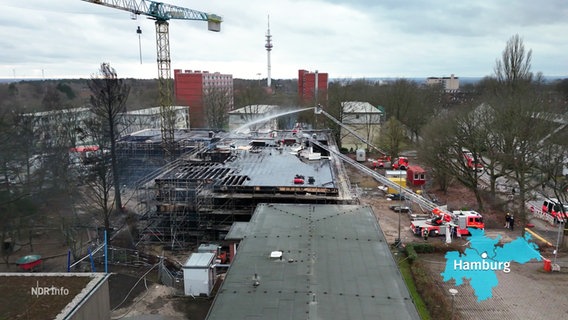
x=399 y=208
x=396 y=196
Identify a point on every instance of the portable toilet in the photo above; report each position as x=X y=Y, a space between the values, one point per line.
x=360 y=155
x=199 y=274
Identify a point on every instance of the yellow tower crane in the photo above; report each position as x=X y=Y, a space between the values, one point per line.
x=162 y=12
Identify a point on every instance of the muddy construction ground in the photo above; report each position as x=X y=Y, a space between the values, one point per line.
x=527 y=292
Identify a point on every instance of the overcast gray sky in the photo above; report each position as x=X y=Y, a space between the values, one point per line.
x=346 y=39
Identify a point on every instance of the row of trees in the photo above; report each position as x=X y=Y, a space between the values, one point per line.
x=511 y=127
x=510 y=121
x=38 y=179
x=513 y=122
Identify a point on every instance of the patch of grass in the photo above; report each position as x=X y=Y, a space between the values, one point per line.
x=404 y=266
x=431 y=293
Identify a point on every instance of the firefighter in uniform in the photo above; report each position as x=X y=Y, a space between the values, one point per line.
x=425 y=233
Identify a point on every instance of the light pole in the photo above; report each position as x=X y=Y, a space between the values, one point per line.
x=559 y=236
x=453 y=292
x=398 y=240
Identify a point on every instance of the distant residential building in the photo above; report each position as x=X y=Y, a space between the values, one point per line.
x=192 y=86
x=149 y=118
x=364 y=119
x=70 y=124
x=450 y=84
x=252 y=114
x=312 y=87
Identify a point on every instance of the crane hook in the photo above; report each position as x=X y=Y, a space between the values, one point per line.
x=139 y=31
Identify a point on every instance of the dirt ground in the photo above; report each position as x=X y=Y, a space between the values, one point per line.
x=527 y=292
x=388 y=219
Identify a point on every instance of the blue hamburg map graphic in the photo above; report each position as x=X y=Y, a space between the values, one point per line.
x=483 y=258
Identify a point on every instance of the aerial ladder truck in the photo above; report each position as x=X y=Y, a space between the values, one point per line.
x=162 y=13
x=440 y=219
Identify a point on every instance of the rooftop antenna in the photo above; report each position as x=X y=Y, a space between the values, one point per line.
x=139 y=31
x=268 y=47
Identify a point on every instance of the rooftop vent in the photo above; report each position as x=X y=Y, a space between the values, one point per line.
x=276 y=255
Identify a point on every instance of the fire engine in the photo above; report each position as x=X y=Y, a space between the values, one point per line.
x=399 y=163
x=553 y=207
x=441 y=219
x=457 y=221
x=471 y=162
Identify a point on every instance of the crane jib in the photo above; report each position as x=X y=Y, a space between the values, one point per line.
x=157 y=10
x=162 y=12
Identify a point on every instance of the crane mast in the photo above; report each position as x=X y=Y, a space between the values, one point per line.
x=162 y=12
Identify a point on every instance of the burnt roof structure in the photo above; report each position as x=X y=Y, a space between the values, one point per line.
x=200 y=195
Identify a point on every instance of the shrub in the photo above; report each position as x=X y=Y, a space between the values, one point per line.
x=424 y=248
x=411 y=253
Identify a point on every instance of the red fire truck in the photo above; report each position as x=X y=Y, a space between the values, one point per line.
x=458 y=222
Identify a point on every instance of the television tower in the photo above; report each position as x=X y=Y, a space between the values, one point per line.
x=268 y=47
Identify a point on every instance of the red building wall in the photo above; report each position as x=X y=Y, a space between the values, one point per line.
x=307 y=87
x=189 y=88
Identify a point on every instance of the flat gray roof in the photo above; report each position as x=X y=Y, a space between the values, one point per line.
x=336 y=264
x=238 y=231
x=264 y=164
x=272 y=167
x=199 y=260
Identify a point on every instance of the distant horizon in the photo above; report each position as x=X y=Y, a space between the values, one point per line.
x=468 y=79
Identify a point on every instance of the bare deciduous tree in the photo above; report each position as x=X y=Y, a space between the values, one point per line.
x=517 y=101
x=108 y=102
x=446 y=139
x=392 y=137
x=99 y=183
x=217 y=102
x=514 y=68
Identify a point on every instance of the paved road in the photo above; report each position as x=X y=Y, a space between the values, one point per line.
x=525 y=293
x=545 y=229
x=542 y=228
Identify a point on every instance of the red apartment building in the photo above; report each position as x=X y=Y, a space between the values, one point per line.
x=312 y=85
x=190 y=88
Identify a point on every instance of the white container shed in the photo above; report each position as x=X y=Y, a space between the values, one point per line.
x=360 y=155
x=208 y=247
x=199 y=274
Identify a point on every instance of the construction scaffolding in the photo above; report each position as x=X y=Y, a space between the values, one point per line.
x=199 y=196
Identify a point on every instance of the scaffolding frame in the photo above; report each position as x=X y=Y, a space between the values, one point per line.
x=197 y=197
